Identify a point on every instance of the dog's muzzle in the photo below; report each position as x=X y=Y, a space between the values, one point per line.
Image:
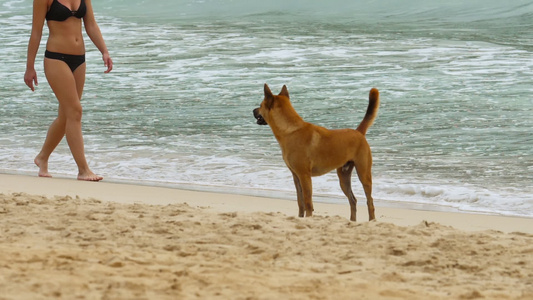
x=259 y=117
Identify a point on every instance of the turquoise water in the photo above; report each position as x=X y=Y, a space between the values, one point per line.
x=453 y=130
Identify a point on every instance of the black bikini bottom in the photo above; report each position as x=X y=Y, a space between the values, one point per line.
x=73 y=61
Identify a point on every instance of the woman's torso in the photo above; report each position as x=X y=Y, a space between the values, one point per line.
x=64 y=25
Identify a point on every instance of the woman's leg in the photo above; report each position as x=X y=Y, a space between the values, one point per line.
x=68 y=88
x=79 y=76
x=53 y=137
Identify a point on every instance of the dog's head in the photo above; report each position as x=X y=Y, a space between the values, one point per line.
x=262 y=113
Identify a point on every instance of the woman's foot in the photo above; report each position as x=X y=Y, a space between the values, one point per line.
x=43 y=167
x=89 y=176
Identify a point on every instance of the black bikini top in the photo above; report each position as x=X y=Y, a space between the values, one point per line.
x=59 y=12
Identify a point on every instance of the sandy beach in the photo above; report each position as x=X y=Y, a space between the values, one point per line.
x=66 y=239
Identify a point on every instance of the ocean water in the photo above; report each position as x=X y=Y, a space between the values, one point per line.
x=454 y=130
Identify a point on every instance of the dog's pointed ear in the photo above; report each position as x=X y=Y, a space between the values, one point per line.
x=284 y=91
x=268 y=92
x=269 y=97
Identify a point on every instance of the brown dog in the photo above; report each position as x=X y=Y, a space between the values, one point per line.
x=310 y=150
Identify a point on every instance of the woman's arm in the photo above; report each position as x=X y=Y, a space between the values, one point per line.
x=94 y=33
x=40 y=8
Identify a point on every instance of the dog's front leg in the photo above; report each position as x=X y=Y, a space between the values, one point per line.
x=307 y=193
x=299 y=195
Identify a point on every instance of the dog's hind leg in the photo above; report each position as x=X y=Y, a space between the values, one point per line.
x=365 y=176
x=299 y=195
x=345 y=180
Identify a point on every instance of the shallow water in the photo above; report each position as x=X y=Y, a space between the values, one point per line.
x=453 y=130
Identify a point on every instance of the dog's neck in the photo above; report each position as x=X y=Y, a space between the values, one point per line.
x=286 y=122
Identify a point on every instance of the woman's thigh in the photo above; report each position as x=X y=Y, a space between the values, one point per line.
x=63 y=83
x=79 y=77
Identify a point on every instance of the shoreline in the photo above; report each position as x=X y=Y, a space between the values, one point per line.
x=287 y=195
x=225 y=201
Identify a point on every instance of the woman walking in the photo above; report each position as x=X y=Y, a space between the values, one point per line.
x=64 y=67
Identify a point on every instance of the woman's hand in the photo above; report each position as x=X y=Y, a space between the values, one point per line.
x=30 y=77
x=108 y=62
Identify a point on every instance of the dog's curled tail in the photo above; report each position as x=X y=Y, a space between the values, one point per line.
x=371 y=111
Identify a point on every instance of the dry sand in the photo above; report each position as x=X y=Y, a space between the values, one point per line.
x=116 y=241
